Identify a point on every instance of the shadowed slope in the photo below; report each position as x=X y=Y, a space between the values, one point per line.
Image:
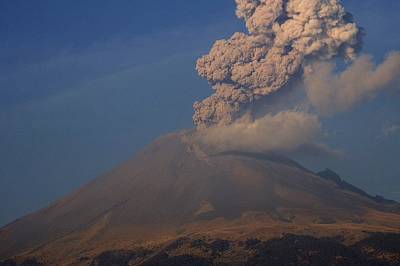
x=174 y=187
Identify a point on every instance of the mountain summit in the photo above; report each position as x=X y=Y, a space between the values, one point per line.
x=176 y=189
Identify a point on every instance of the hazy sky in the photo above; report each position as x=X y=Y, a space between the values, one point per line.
x=85 y=84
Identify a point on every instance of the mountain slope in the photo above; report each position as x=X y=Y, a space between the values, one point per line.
x=332 y=176
x=175 y=187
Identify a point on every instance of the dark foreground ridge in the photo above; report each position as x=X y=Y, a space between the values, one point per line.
x=377 y=249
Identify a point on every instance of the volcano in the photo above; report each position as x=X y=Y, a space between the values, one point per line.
x=179 y=203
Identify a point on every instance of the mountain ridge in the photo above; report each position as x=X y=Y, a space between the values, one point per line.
x=175 y=187
x=331 y=175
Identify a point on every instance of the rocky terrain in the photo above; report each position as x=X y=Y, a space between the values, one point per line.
x=178 y=203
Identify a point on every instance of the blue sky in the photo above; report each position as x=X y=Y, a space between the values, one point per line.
x=85 y=84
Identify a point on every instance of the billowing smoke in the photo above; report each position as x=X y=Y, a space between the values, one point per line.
x=285 y=131
x=330 y=93
x=288 y=48
x=284 y=35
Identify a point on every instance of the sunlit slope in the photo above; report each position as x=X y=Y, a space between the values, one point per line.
x=175 y=187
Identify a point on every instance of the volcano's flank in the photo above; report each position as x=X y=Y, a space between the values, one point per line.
x=176 y=188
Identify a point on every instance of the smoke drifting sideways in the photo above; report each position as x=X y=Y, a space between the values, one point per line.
x=330 y=93
x=287 y=40
x=284 y=131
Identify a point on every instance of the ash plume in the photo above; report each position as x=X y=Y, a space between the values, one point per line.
x=285 y=131
x=283 y=37
x=274 y=83
x=331 y=93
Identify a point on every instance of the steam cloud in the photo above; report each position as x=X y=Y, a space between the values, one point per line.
x=287 y=40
